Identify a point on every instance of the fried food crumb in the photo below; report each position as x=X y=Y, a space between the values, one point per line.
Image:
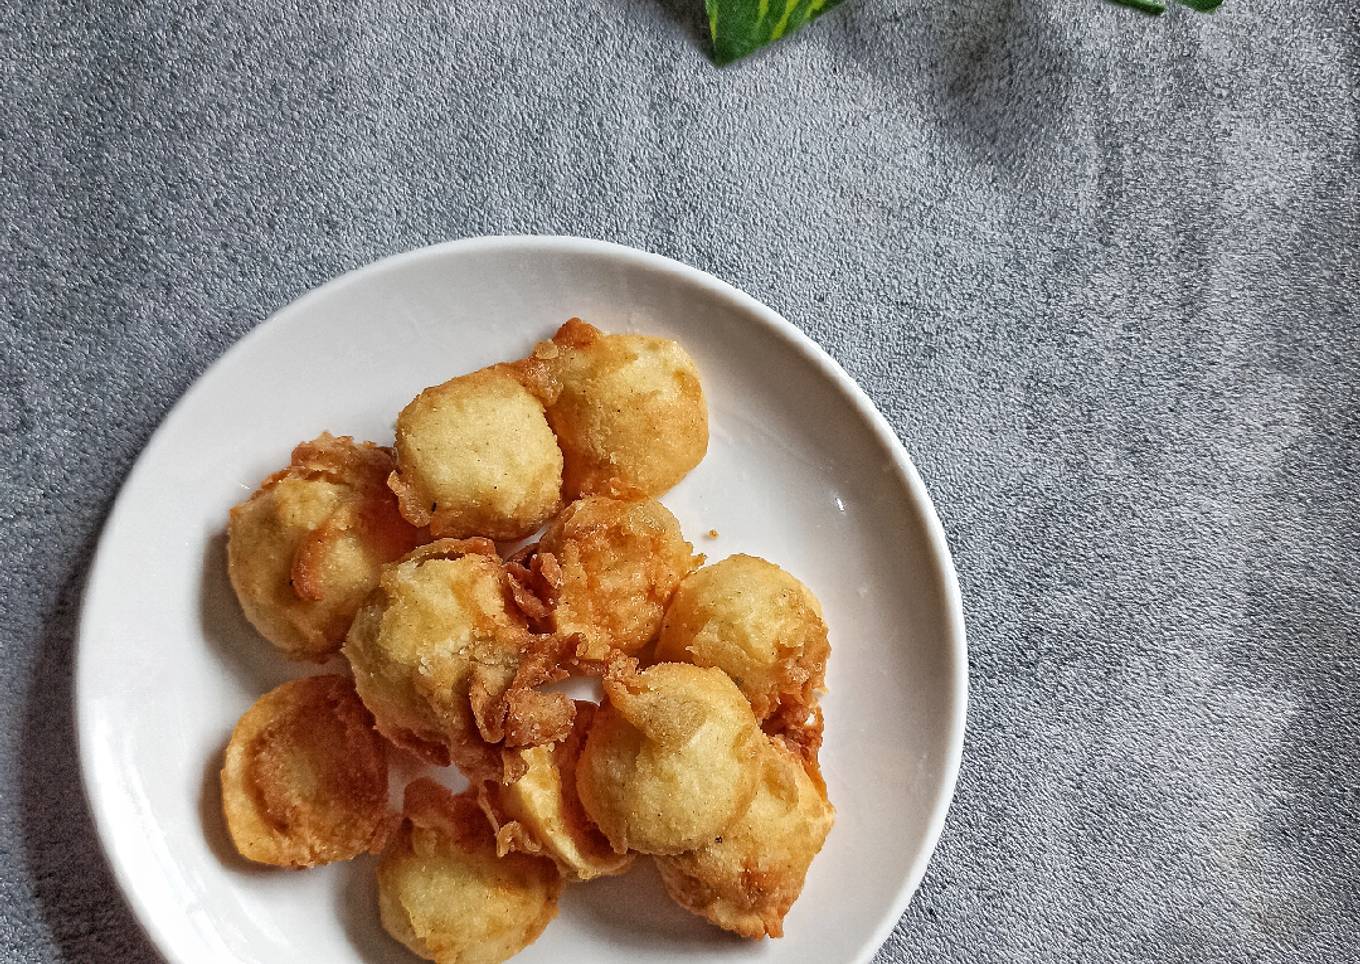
x=746 y=880
x=628 y=410
x=616 y=564
x=475 y=457
x=758 y=624
x=305 y=548
x=446 y=663
x=671 y=759
x=445 y=893
x=305 y=778
x=540 y=812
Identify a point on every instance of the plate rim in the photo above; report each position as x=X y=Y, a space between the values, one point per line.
x=936 y=542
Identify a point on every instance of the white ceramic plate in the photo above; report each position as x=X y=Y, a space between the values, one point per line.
x=801 y=469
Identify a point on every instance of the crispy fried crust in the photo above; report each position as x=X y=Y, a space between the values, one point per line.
x=670 y=760
x=445 y=893
x=540 y=813
x=746 y=879
x=799 y=729
x=758 y=624
x=611 y=567
x=628 y=410
x=305 y=549
x=305 y=779
x=535 y=582
x=446 y=663
x=475 y=456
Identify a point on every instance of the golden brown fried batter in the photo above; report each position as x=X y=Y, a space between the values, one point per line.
x=628 y=410
x=670 y=760
x=758 y=624
x=535 y=581
x=799 y=728
x=540 y=813
x=305 y=549
x=305 y=779
x=475 y=457
x=746 y=879
x=616 y=564
x=445 y=893
x=445 y=662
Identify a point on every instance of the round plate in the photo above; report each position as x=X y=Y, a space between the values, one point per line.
x=801 y=469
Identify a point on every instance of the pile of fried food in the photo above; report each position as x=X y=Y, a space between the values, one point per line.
x=703 y=751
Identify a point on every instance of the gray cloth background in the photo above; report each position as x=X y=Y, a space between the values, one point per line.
x=1102 y=272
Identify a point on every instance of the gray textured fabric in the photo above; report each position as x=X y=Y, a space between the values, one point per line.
x=1101 y=272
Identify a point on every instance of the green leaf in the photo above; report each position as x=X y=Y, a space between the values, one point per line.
x=740 y=27
x=1203 y=6
x=1154 y=7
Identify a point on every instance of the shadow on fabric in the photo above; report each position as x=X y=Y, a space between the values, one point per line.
x=994 y=78
x=689 y=16
x=81 y=904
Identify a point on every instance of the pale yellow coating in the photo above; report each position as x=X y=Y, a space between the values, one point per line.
x=620 y=563
x=758 y=624
x=305 y=549
x=476 y=457
x=540 y=812
x=305 y=776
x=746 y=879
x=445 y=894
x=670 y=760
x=629 y=410
x=435 y=628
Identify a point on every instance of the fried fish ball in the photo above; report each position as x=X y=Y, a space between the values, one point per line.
x=755 y=622
x=475 y=456
x=628 y=410
x=620 y=562
x=446 y=664
x=305 y=549
x=540 y=813
x=445 y=893
x=746 y=879
x=305 y=778
x=670 y=760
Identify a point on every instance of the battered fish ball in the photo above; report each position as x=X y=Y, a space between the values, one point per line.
x=628 y=410
x=475 y=456
x=305 y=549
x=540 y=812
x=620 y=562
x=755 y=622
x=670 y=760
x=746 y=879
x=440 y=658
x=305 y=780
x=445 y=894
